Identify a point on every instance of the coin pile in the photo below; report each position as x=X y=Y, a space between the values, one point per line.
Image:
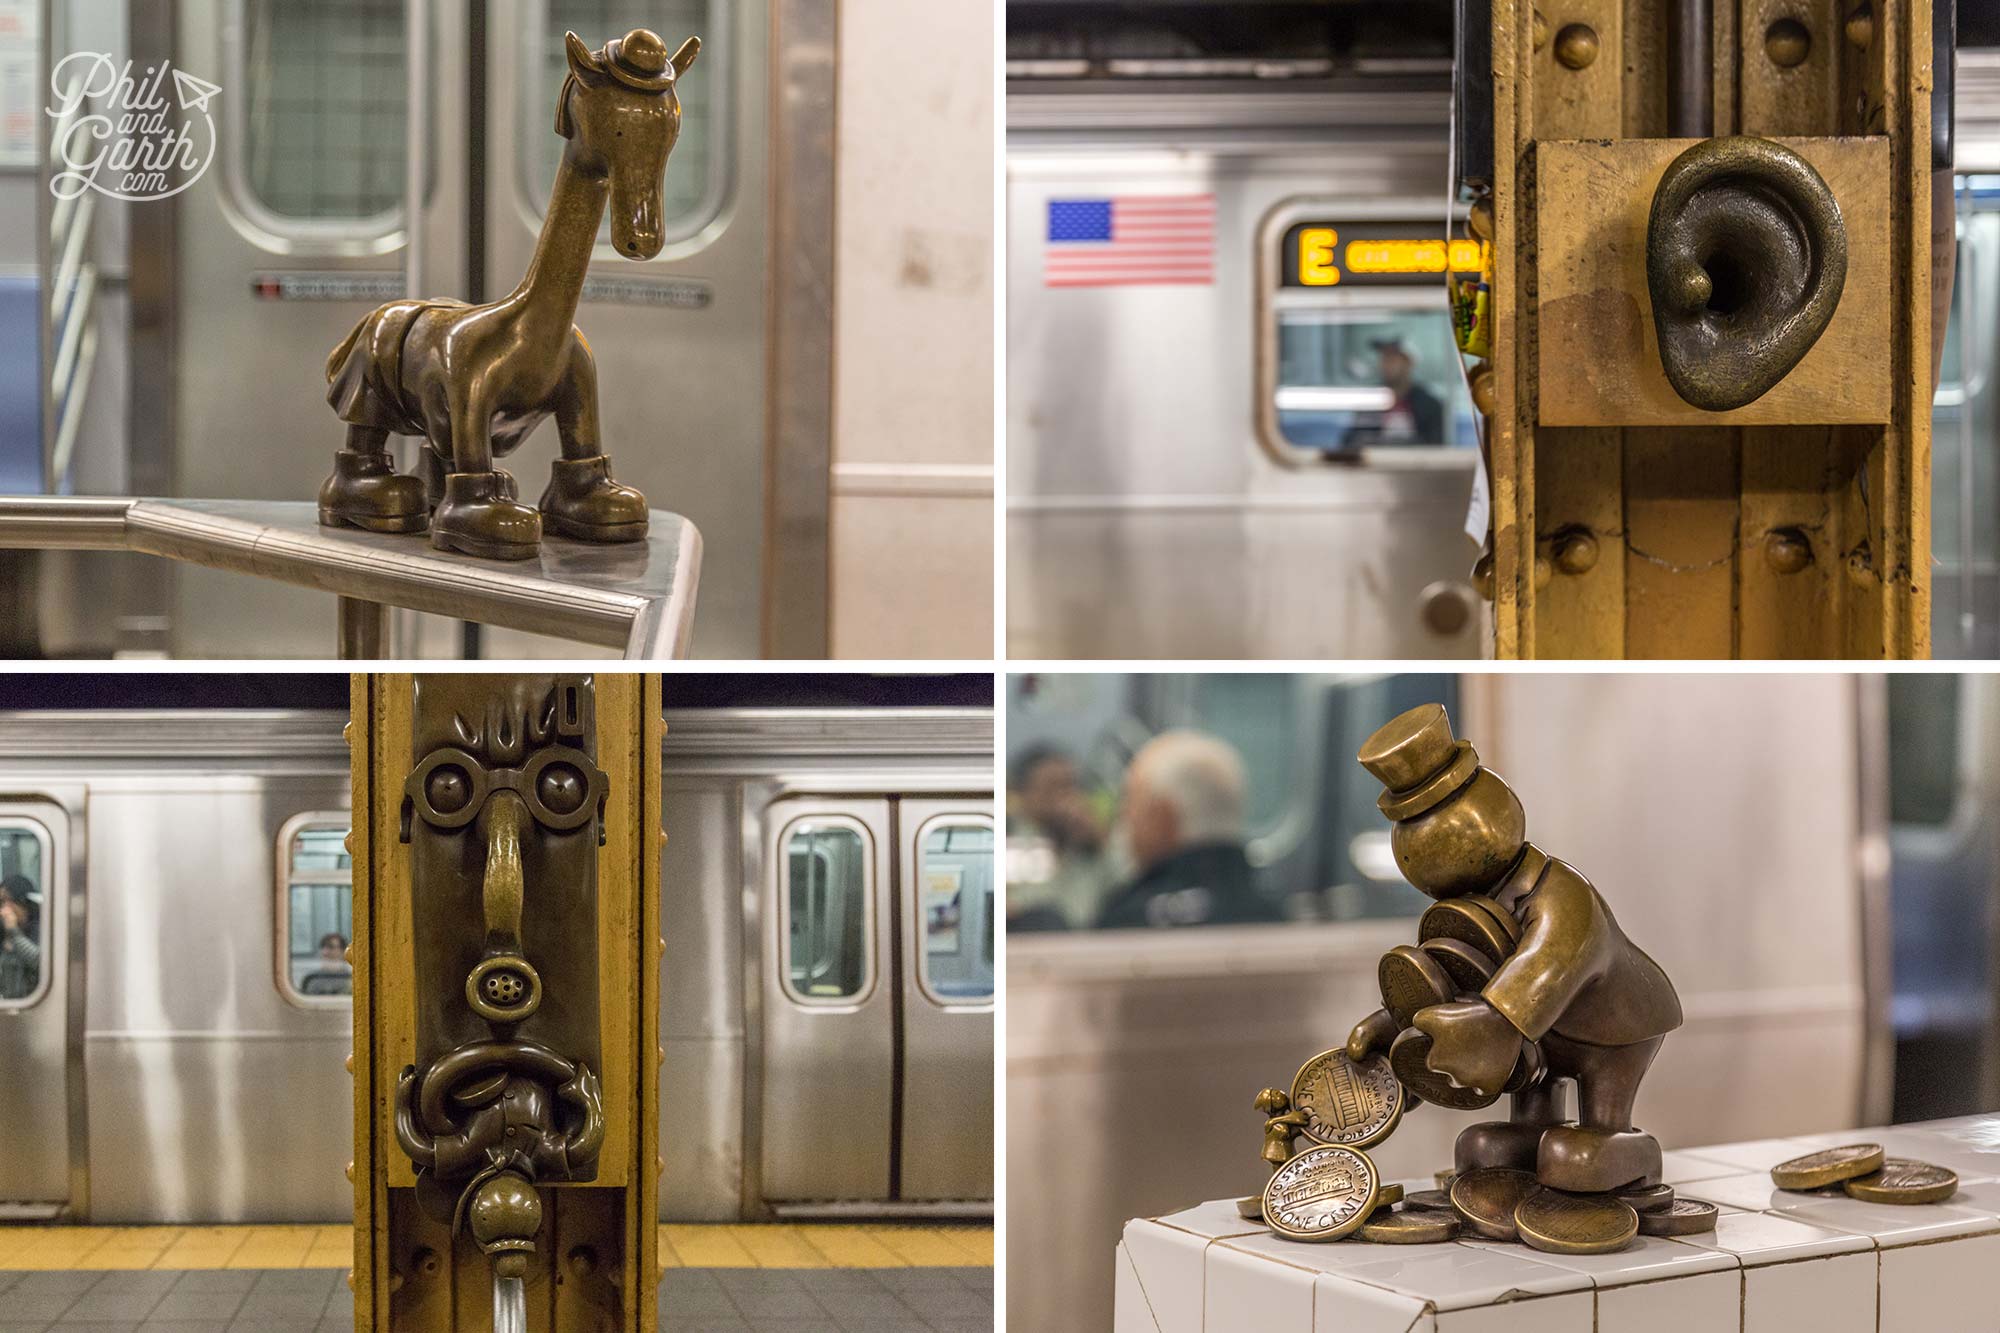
x=1332 y=1190
x=1462 y=942
x=1862 y=1171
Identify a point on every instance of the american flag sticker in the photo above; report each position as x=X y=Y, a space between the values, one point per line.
x=1130 y=239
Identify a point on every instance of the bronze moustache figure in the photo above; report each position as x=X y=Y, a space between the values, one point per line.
x=476 y=380
x=1594 y=1002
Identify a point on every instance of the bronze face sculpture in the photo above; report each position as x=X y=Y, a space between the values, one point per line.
x=476 y=380
x=503 y=813
x=1573 y=999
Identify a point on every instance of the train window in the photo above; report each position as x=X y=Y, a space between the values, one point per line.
x=320 y=138
x=955 y=908
x=828 y=897
x=315 y=909
x=697 y=177
x=1350 y=378
x=25 y=928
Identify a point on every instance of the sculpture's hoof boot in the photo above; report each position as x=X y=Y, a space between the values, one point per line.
x=478 y=518
x=583 y=502
x=1497 y=1143
x=1583 y=1160
x=366 y=492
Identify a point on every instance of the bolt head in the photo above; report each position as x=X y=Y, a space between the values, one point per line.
x=1576 y=45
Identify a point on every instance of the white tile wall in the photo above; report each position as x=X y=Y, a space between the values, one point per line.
x=1776 y=1261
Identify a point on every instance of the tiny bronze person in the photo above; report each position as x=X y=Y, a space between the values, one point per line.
x=475 y=381
x=1596 y=1004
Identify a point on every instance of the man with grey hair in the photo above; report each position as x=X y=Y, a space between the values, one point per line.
x=1184 y=825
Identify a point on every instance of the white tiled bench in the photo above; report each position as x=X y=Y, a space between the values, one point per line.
x=1775 y=1262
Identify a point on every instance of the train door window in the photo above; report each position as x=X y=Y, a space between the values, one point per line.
x=698 y=176
x=1355 y=349
x=25 y=928
x=315 y=909
x=955 y=908
x=318 y=141
x=829 y=900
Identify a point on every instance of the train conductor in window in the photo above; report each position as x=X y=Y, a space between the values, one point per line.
x=1414 y=417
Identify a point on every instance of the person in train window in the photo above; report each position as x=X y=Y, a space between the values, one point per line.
x=1057 y=875
x=1415 y=417
x=330 y=974
x=20 y=949
x=1184 y=826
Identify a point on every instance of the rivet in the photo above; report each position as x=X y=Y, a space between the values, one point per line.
x=1482 y=576
x=1541 y=31
x=583 y=1261
x=1485 y=390
x=1544 y=571
x=350 y=1172
x=1860 y=27
x=349 y=1062
x=1788 y=42
x=1576 y=550
x=1480 y=220
x=1576 y=45
x=1787 y=550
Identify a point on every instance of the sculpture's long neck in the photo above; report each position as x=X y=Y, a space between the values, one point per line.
x=554 y=280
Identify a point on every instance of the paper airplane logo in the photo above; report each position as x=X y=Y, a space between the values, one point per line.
x=193 y=92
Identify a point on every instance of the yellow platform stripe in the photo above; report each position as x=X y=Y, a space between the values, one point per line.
x=682 y=1245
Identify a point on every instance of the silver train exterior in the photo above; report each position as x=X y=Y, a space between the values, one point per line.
x=1154 y=509
x=168 y=1069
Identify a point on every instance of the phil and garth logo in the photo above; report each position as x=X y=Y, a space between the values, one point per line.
x=123 y=135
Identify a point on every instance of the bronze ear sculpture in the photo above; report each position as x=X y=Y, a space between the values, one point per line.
x=1571 y=999
x=475 y=381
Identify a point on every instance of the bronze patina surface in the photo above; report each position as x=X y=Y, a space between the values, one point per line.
x=1686 y=1217
x=1409 y=1226
x=1469 y=968
x=1746 y=256
x=1464 y=921
x=474 y=381
x=1829 y=1166
x=1903 y=1181
x=1647 y=1198
x=1324 y=1193
x=1344 y=1101
x=1411 y=980
x=1569 y=984
x=1564 y=1223
x=1485 y=1200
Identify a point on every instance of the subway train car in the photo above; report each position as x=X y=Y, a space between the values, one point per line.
x=771 y=374
x=1813 y=860
x=177 y=1055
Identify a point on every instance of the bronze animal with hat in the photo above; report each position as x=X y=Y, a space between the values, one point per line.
x=1596 y=1005
x=475 y=381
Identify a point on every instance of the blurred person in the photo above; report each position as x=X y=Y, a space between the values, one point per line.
x=329 y=973
x=1046 y=803
x=20 y=953
x=1185 y=825
x=1414 y=417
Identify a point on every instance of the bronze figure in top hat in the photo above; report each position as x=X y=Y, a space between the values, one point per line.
x=476 y=380
x=1591 y=1000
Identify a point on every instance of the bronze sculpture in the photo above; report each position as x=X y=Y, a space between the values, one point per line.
x=1574 y=988
x=505 y=793
x=475 y=381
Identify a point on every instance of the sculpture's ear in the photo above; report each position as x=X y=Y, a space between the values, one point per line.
x=685 y=56
x=581 y=62
x=564 y=126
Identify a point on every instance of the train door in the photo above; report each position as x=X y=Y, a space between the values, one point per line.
x=679 y=339
x=39 y=1022
x=946 y=905
x=829 y=1049
x=877 y=1002
x=1966 y=582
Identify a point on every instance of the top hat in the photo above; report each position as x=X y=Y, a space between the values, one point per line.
x=1417 y=761
x=639 y=60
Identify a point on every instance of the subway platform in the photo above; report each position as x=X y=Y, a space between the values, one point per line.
x=293 y=1279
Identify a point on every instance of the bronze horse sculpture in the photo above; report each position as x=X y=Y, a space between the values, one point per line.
x=476 y=380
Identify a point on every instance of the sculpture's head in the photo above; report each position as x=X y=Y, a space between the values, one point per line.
x=620 y=112
x=1459 y=828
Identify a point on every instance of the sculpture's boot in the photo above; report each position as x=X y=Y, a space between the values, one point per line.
x=434 y=479
x=365 y=491
x=1502 y=1143
x=582 y=501
x=477 y=517
x=1584 y=1160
